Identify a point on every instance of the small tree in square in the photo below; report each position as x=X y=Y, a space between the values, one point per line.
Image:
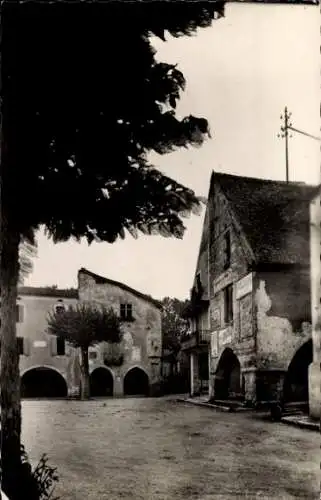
x=83 y=326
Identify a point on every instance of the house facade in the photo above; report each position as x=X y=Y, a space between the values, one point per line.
x=252 y=289
x=314 y=369
x=133 y=366
x=45 y=361
x=49 y=367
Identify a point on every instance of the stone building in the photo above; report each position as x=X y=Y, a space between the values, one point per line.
x=49 y=367
x=45 y=361
x=252 y=291
x=315 y=367
x=134 y=366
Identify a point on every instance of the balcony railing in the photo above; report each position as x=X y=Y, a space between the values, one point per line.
x=196 y=338
x=204 y=336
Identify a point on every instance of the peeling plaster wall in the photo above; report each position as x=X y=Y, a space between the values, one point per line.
x=314 y=370
x=142 y=340
x=283 y=319
x=240 y=334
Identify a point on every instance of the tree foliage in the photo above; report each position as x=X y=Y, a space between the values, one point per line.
x=173 y=324
x=84 y=103
x=83 y=325
x=27 y=252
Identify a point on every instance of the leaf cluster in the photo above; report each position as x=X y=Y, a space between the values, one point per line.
x=85 y=325
x=84 y=101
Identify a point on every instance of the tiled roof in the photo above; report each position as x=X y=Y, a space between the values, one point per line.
x=273 y=214
x=66 y=293
x=102 y=280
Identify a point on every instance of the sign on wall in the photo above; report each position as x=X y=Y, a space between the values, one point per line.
x=136 y=354
x=246 y=316
x=225 y=336
x=214 y=344
x=40 y=343
x=244 y=286
x=216 y=317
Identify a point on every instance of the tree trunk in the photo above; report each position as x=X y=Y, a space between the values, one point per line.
x=10 y=378
x=84 y=389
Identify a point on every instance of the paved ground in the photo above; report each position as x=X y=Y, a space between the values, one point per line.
x=158 y=449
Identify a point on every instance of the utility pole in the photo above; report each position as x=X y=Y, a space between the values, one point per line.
x=286 y=125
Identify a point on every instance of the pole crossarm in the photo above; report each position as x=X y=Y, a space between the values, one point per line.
x=305 y=133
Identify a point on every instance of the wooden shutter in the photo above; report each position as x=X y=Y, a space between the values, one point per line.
x=53 y=346
x=26 y=346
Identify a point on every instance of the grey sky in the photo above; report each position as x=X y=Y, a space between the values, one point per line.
x=240 y=74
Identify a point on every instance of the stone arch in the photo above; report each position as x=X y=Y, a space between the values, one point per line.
x=101 y=382
x=228 y=383
x=42 y=381
x=136 y=382
x=296 y=381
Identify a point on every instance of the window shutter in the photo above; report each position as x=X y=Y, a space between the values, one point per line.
x=53 y=346
x=61 y=346
x=129 y=311
x=21 y=313
x=20 y=345
x=26 y=346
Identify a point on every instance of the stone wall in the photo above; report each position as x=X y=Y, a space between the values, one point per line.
x=142 y=338
x=282 y=303
x=314 y=371
x=239 y=334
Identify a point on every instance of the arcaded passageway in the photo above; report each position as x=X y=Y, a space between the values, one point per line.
x=136 y=383
x=101 y=382
x=43 y=383
x=296 y=384
x=228 y=376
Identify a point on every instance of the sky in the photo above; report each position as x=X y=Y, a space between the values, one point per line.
x=240 y=74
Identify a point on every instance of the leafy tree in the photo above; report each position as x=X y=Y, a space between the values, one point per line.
x=83 y=326
x=173 y=324
x=83 y=101
x=27 y=252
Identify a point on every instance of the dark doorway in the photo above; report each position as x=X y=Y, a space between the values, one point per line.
x=101 y=383
x=296 y=383
x=228 y=377
x=136 y=383
x=43 y=383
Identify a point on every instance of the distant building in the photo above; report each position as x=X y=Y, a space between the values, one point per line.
x=251 y=306
x=315 y=367
x=49 y=367
x=45 y=361
x=134 y=367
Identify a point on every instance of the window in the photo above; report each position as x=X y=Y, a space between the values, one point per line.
x=227 y=250
x=20 y=345
x=19 y=313
x=126 y=312
x=228 y=304
x=61 y=346
x=59 y=307
x=92 y=355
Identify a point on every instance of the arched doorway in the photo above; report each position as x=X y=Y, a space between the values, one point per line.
x=228 y=383
x=296 y=382
x=101 y=383
x=136 y=382
x=43 y=382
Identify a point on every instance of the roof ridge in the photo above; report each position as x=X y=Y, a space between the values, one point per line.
x=103 y=279
x=264 y=180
